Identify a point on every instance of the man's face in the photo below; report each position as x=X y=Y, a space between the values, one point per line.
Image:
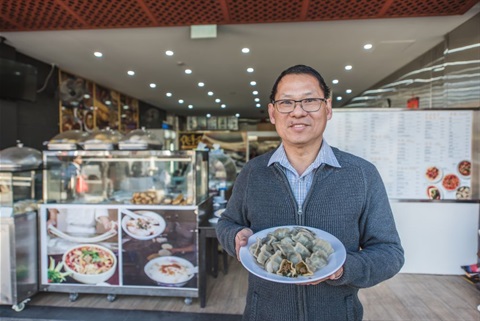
x=300 y=128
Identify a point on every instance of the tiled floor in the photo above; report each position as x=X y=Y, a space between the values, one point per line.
x=43 y=313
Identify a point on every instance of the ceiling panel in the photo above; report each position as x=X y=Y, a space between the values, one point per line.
x=79 y=14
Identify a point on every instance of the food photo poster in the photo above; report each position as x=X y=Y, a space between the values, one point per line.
x=118 y=246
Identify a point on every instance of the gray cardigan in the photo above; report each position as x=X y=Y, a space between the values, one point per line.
x=349 y=202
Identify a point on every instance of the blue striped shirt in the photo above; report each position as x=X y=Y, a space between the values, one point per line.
x=300 y=185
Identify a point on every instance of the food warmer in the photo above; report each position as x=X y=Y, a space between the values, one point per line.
x=128 y=225
x=20 y=189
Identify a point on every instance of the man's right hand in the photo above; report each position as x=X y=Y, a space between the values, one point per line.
x=241 y=239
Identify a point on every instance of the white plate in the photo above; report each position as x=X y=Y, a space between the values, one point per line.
x=335 y=261
x=157 y=231
x=218 y=213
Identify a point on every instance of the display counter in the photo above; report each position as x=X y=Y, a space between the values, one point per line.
x=123 y=222
x=20 y=191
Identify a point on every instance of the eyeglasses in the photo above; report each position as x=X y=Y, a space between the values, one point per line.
x=310 y=105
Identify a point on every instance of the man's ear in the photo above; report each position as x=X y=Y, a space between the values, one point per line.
x=271 y=113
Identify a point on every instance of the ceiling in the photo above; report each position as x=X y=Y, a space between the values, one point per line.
x=134 y=35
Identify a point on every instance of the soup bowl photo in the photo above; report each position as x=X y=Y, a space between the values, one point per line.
x=170 y=271
x=90 y=263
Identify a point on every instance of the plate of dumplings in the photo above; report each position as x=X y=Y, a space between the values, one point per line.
x=292 y=254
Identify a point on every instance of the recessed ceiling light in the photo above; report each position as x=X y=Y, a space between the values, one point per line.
x=86 y=96
x=125 y=107
x=255 y=92
x=190 y=106
x=257 y=99
x=250 y=69
x=131 y=72
x=245 y=50
x=208 y=115
x=180 y=101
x=339 y=97
x=258 y=105
x=168 y=94
x=335 y=81
x=348 y=91
x=210 y=93
x=188 y=71
x=253 y=83
x=152 y=85
x=237 y=115
x=108 y=102
x=201 y=84
x=348 y=67
x=223 y=106
x=367 y=46
x=98 y=54
x=169 y=53
x=217 y=100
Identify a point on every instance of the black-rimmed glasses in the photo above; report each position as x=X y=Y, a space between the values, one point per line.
x=310 y=105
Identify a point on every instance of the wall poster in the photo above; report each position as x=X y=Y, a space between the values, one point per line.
x=420 y=154
x=118 y=247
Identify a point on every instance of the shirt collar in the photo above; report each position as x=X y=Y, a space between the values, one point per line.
x=325 y=155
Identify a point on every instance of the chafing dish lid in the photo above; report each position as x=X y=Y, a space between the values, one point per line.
x=20 y=157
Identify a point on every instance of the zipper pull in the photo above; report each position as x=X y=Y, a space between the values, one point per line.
x=300 y=212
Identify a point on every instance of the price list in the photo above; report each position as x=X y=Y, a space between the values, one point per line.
x=419 y=154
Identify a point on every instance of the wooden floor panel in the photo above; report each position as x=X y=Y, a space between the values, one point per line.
x=406 y=297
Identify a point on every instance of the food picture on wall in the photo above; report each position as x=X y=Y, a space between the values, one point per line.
x=81 y=245
x=464 y=168
x=75 y=95
x=222 y=122
x=450 y=182
x=128 y=114
x=233 y=123
x=433 y=174
x=159 y=248
x=106 y=108
x=212 y=122
x=463 y=193
x=433 y=193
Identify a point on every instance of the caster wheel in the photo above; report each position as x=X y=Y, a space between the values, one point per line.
x=188 y=301
x=18 y=307
x=73 y=297
x=111 y=297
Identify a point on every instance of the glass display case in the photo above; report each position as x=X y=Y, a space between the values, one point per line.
x=126 y=177
x=20 y=191
x=136 y=210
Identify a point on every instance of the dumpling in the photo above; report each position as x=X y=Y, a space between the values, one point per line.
x=295 y=258
x=273 y=263
x=255 y=248
x=263 y=255
x=280 y=233
x=303 y=269
x=326 y=246
x=286 y=249
x=288 y=239
x=315 y=262
x=302 y=250
x=287 y=269
x=304 y=238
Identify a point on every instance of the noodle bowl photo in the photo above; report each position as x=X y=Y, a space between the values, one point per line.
x=89 y=263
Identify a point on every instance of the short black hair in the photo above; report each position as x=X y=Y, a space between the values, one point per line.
x=301 y=69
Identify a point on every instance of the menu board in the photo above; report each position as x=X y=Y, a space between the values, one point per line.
x=421 y=154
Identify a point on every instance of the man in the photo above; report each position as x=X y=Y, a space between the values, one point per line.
x=306 y=182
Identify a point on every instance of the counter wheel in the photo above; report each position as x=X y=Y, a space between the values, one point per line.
x=111 y=297
x=20 y=306
x=188 y=301
x=73 y=297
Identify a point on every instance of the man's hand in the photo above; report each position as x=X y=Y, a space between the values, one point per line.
x=241 y=239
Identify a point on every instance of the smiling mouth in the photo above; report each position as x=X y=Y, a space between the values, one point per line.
x=298 y=125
